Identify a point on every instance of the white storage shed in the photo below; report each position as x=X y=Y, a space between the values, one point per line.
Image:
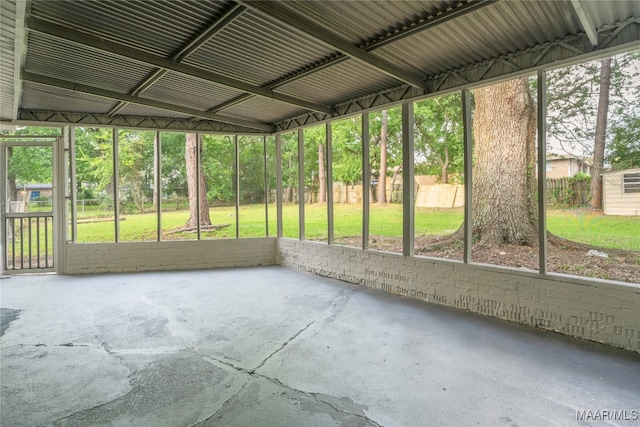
x=621 y=192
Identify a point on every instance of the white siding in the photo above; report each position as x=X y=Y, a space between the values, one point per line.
x=615 y=201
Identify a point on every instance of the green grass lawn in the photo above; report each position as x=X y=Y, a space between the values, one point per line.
x=615 y=232
x=578 y=225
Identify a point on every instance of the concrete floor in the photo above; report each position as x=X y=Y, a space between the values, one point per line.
x=273 y=347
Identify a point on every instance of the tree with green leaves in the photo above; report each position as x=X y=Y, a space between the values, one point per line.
x=314 y=163
x=196 y=185
x=624 y=147
x=580 y=99
x=32 y=165
x=347 y=151
x=385 y=149
x=439 y=142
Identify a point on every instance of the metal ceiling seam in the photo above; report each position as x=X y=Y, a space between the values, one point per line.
x=425 y=24
x=301 y=23
x=49 y=81
x=87 y=40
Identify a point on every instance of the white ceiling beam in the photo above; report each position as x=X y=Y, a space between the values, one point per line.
x=586 y=21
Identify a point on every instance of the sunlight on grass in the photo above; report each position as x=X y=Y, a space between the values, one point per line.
x=577 y=225
x=616 y=232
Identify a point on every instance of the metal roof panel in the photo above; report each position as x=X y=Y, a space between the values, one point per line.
x=41 y=97
x=160 y=26
x=257 y=49
x=189 y=91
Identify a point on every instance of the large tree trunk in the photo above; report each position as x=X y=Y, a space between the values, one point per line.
x=322 y=191
x=601 y=133
x=444 y=167
x=191 y=155
x=382 y=177
x=504 y=180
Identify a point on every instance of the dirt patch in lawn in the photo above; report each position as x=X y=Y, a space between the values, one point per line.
x=563 y=256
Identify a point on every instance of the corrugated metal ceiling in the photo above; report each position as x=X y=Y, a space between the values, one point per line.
x=272 y=61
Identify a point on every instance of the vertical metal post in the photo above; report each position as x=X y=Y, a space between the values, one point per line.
x=237 y=178
x=408 y=185
x=279 y=185
x=4 y=241
x=74 y=184
x=542 y=171
x=266 y=186
x=198 y=172
x=116 y=185
x=37 y=240
x=468 y=178
x=301 y=192
x=329 y=178
x=158 y=183
x=60 y=188
x=30 y=221
x=366 y=181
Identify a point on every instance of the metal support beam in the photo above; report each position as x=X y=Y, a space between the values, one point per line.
x=140 y=56
x=277 y=11
x=116 y=185
x=279 y=185
x=329 y=179
x=56 y=118
x=73 y=195
x=586 y=21
x=366 y=181
x=198 y=172
x=266 y=186
x=60 y=186
x=367 y=46
x=542 y=171
x=468 y=177
x=301 y=191
x=408 y=224
x=237 y=178
x=183 y=53
x=158 y=182
x=624 y=36
x=90 y=90
x=19 y=49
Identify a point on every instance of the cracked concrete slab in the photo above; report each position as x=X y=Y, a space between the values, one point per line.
x=41 y=383
x=444 y=367
x=273 y=347
x=7 y=315
x=178 y=390
x=261 y=402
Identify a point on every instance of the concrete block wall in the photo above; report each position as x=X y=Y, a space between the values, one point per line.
x=170 y=255
x=594 y=310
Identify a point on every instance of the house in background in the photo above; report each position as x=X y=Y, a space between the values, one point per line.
x=35 y=191
x=566 y=165
x=621 y=192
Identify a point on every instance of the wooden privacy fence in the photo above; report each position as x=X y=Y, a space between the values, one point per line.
x=565 y=191
x=568 y=191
